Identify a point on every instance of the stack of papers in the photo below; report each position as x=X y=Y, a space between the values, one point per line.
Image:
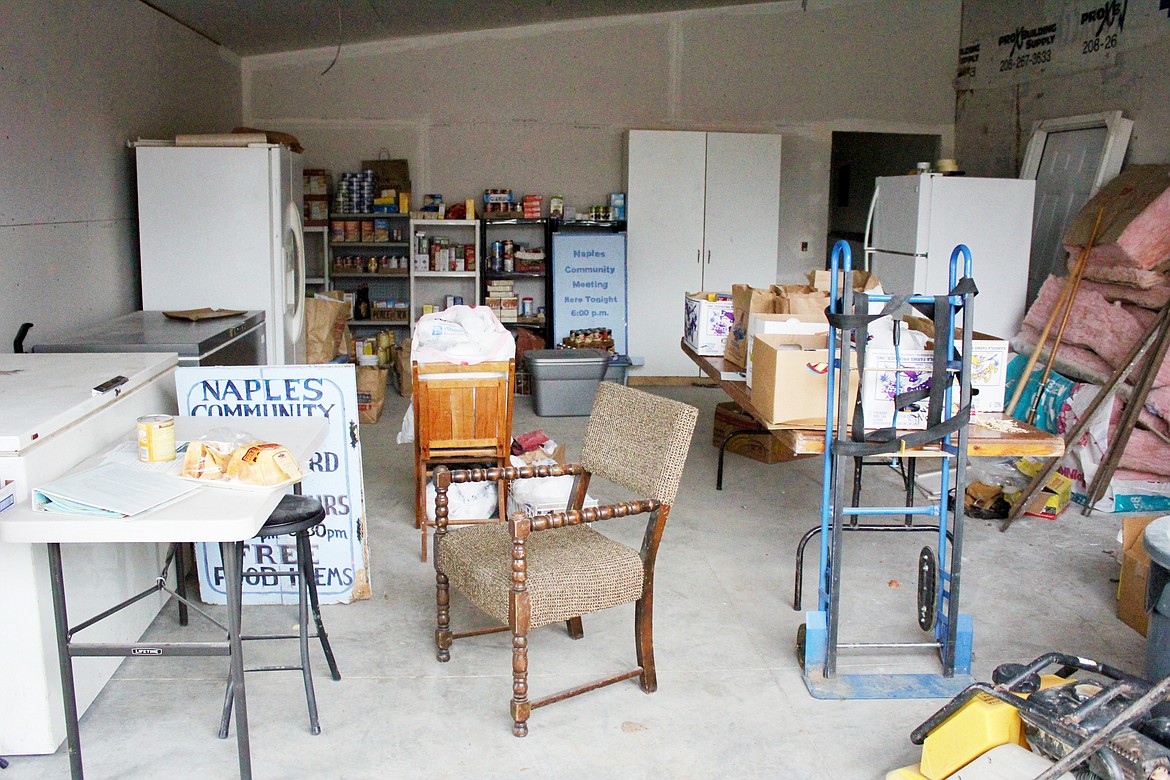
x=110 y=490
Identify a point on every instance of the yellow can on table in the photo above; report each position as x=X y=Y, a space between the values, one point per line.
x=156 y=438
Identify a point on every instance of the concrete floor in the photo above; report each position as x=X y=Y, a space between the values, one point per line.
x=731 y=700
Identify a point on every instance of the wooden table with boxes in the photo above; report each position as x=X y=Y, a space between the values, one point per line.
x=804 y=439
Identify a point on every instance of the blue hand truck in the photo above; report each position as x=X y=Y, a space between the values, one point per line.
x=945 y=436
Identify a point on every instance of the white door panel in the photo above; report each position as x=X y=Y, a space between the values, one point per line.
x=993 y=218
x=664 y=243
x=1064 y=183
x=203 y=223
x=897 y=213
x=742 y=200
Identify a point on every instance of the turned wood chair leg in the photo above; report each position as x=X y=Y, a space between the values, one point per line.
x=644 y=641
x=443 y=637
x=520 y=708
x=576 y=628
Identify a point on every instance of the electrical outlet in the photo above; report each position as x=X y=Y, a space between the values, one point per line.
x=803 y=246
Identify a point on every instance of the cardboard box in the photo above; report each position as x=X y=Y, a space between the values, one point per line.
x=791 y=381
x=1051 y=500
x=792 y=324
x=885 y=373
x=707 y=323
x=1135 y=571
x=763 y=447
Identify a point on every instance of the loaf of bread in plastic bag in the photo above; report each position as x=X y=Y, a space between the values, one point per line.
x=206 y=459
x=262 y=463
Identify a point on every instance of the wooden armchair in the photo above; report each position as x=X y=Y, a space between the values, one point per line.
x=541 y=570
x=462 y=415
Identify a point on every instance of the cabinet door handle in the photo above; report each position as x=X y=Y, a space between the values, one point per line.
x=708 y=257
x=699 y=256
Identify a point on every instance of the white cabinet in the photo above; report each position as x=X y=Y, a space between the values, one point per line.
x=703 y=214
x=445 y=262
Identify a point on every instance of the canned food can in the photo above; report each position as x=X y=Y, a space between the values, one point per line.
x=156 y=438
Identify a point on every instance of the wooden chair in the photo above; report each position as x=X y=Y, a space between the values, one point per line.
x=462 y=415
x=535 y=571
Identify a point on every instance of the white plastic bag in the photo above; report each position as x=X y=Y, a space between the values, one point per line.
x=541 y=494
x=461 y=334
x=465 y=500
x=406 y=435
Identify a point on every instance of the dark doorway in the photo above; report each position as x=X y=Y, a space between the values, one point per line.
x=857 y=159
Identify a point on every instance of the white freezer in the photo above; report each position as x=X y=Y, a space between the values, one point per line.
x=49 y=422
x=220 y=227
x=919 y=219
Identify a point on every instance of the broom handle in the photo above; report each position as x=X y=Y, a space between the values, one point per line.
x=1031 y=364
x=1074 y=281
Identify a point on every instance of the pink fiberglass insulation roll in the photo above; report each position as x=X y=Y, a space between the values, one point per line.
x=1135 y=223
x=1098 y=336
x=1144 y=452
x=1151 y=298
x=1108 y=329
x=1079 y=362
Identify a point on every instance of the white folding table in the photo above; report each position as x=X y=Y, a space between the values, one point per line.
x=208 y=514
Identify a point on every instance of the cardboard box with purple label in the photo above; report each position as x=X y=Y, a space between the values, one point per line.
x=707 y=321
x=888 y=372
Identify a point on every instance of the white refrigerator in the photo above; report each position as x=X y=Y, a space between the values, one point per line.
x=221 y=227
x=917 y=220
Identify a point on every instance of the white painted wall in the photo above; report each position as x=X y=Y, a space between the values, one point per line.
x=545 y=108
x=79 y=79
x=993 y=125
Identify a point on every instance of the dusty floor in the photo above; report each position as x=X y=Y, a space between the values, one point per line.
x=731 y=699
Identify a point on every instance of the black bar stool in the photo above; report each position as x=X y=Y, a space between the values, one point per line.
x=295 y=514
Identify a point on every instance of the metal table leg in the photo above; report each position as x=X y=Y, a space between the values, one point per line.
x=232 y=553
x=65 y=661
x=181 y=582
x=727 y=440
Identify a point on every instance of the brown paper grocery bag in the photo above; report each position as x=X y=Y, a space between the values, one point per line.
x=799 y=299
x=371 y=392
x=745 y=299
x=325 y=329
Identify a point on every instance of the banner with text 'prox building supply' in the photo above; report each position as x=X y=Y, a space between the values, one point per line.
x=333 y=475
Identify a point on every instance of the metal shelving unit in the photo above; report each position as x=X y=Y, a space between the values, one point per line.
x=533 y=284
x=433 y=286
x=384 y=284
